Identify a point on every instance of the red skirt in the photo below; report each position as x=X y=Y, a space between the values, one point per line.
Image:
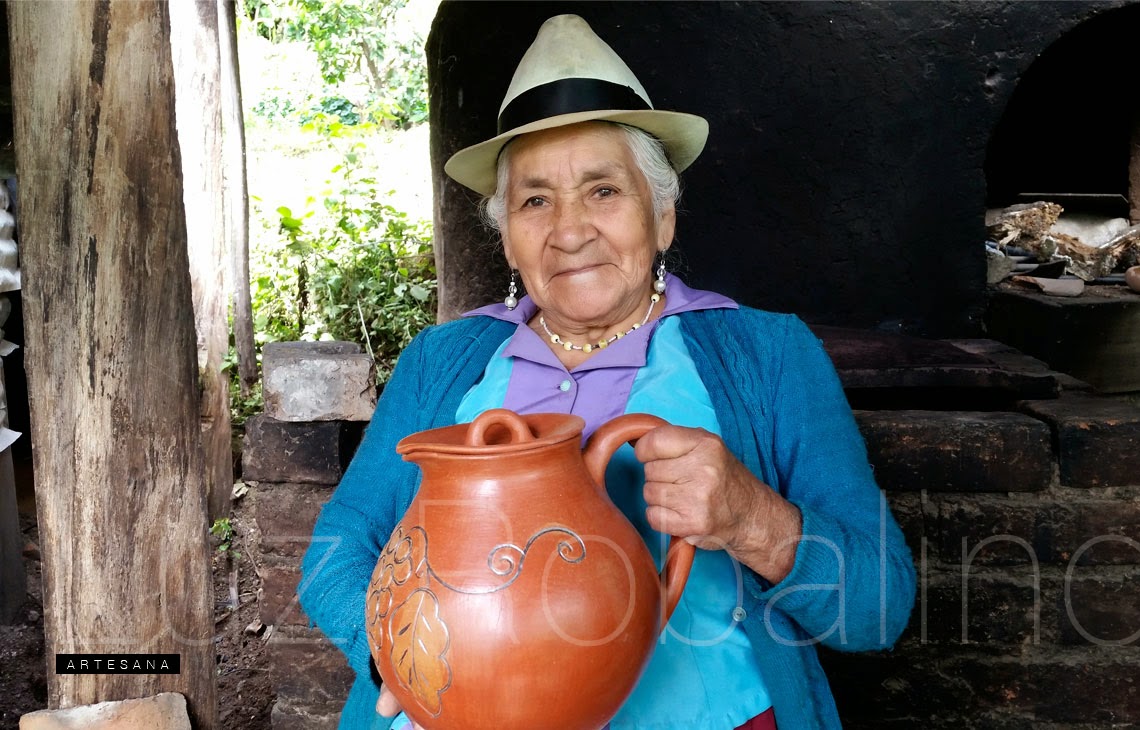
x=766 y=720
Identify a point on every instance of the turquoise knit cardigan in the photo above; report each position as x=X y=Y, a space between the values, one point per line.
x=783 y=414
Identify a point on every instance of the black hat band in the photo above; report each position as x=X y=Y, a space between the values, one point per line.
x=568 y=96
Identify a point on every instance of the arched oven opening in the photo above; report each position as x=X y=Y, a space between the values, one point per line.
x=1063 y=206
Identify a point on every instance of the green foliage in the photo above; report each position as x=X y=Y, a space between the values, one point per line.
x=346 y=35
x=348 y=267
x=354 y=40
x=274 y=108
x=343 y=109
x=345 y=264
x=242 y=407
x=260 y=14
x=223 y=533
x=402 y=99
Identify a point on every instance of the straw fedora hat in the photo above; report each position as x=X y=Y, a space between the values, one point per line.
x=570 y=75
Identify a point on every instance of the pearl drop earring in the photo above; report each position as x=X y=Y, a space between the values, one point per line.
x=659 y=285
x=512 y=291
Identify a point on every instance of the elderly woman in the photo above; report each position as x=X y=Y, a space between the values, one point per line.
x=761 y=466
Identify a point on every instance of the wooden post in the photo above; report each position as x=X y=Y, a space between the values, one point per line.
x=13 y=577
x=197 y=82
x=1134 y=170
x=111 y=355
x=237 y=195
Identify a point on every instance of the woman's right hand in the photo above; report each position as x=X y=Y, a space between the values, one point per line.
x=389 y=706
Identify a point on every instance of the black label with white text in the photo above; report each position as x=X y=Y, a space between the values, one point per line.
x=118 y=664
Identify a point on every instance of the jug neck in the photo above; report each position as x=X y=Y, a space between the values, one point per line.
x=525 y=471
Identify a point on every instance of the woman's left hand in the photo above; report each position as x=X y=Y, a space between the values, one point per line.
x=697 y=489
x=389 y=706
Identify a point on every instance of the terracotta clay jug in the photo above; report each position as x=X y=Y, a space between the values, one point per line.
x=514 y=595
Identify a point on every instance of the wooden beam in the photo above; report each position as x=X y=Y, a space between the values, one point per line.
x=237 y=195
x=111 y=355
x=198 y=109
x=1134 y=171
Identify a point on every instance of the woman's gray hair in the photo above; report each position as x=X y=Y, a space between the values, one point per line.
x=648 y=154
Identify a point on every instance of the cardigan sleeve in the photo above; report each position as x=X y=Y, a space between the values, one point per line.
x=355 y=524
x=853 y=582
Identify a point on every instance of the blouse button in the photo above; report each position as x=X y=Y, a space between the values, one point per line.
x=564 y=386
x=739 y=614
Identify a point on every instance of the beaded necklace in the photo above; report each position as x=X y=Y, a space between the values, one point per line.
x=603 y=343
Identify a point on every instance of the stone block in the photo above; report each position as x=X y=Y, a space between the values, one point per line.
x=1098 y=438
x=957 y=451
x=309 y=673
x=318 y=381
x=1100 y=610
x=165 y=711
x=285 y=350
x=277 y=597
x=285 y=515
x=1058 y=528
x=312 y=453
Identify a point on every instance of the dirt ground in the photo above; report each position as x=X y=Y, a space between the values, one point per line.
x=23 y=682
x=245 y=693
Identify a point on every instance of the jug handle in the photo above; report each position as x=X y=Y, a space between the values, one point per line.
x=599 y=449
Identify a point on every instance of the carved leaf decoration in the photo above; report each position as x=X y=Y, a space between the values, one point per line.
x=419 y=642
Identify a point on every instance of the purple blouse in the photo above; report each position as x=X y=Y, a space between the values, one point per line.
x=541 y=383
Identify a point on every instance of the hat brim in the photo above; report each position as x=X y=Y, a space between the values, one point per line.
x=684 y=136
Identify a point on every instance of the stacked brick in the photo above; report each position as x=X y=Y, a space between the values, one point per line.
x=1025 y=528
x=1024 y=524
x=317 y=397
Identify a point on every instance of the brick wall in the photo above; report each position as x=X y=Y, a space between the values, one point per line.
x=1025 y=528
x=317 y=396
x=1024 y=524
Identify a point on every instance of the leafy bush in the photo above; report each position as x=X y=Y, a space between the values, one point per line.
x=338 y=106
x=348 y=267
x=354 y=40
x=403 y=98
x=274 y=107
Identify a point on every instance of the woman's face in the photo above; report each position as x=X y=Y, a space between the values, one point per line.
x=580 y=226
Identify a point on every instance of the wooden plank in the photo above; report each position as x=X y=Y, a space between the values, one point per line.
x=13 y=577
x=1134 y=171
x=236 y=195
x=198 y=109
x=111 y=353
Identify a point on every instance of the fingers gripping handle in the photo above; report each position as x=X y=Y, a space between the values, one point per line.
x=599 y=450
